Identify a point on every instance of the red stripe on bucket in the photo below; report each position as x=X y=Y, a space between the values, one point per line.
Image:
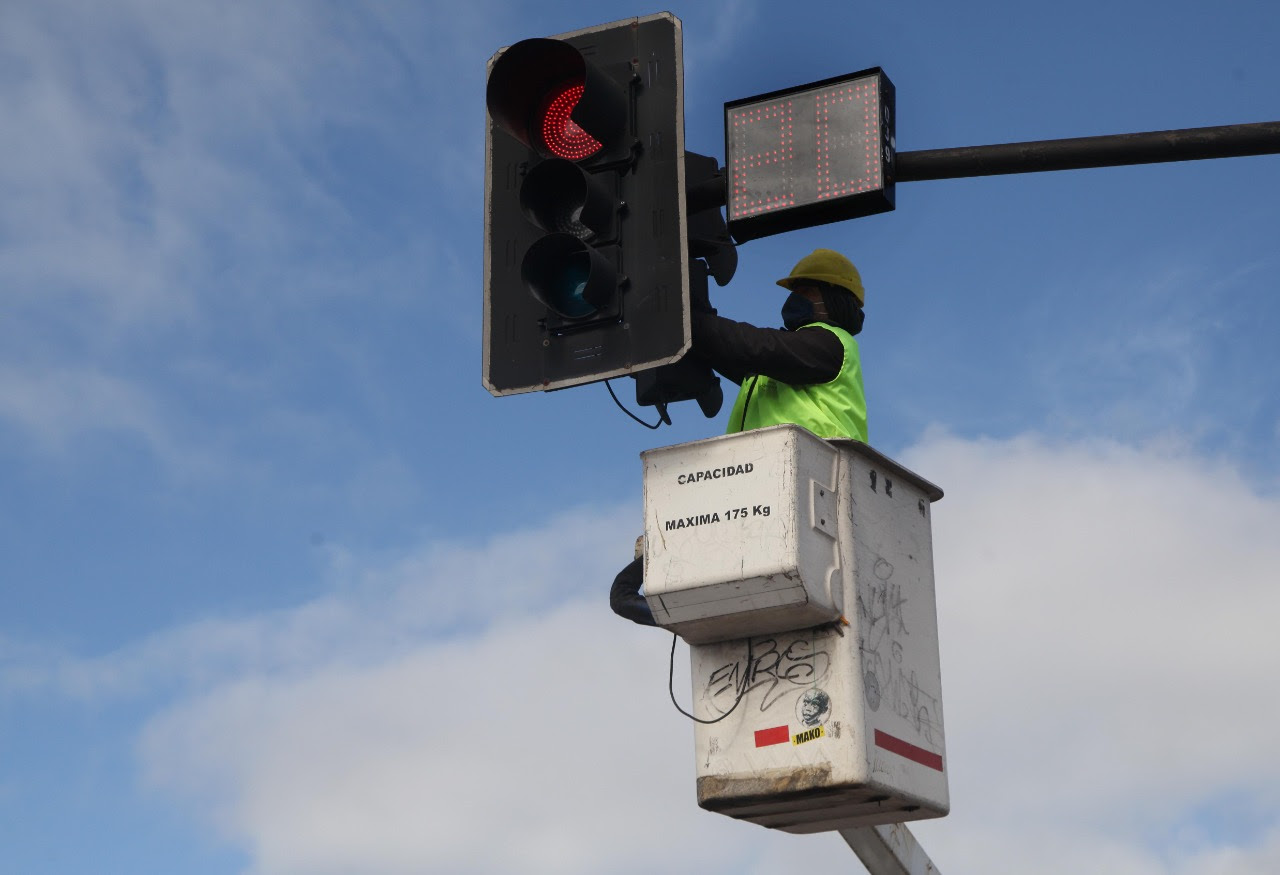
x=902 y=749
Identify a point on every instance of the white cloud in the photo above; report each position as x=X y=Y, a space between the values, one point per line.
x=86 y=214
x=1107 y=646
x=188 y=184
x=174 y=158
x=57 y=406
x=373 y=610
x=1108 y=653
x=547 y=744
x=455 y=756
x=1167 y=344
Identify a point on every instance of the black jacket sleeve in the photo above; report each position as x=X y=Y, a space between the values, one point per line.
x=738 y=350
x=625 y=598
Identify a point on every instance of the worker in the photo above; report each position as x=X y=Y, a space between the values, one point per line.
x=808 y=373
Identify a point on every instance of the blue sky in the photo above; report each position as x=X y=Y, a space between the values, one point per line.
x=283 y=589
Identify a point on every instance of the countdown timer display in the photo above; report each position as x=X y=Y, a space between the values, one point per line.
x=809 y=155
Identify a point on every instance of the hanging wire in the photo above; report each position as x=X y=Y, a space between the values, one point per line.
x=628 y=412
x=743 y=685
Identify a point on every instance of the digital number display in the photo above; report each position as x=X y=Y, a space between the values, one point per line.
x=814 y=154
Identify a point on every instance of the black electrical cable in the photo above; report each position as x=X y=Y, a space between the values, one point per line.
x=628 y=412
x=746 y=405
x=743 y=685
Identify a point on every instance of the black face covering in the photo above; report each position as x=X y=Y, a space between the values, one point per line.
x=841 y=306
x=797 y=311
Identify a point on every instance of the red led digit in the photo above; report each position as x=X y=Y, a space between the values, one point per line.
x=761 y=152
x=846 y=156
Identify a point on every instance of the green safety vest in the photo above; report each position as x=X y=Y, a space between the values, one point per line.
x=835 y=409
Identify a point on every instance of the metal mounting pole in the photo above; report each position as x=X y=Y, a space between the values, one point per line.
x=1190 y=144
x=889 y=850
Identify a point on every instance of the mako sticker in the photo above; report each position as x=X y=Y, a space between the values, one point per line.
x=808 y=735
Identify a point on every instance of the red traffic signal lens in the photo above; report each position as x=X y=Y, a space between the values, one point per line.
x=561 y=135
x=548 y=96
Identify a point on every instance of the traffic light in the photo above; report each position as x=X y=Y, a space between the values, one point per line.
x=586 y=252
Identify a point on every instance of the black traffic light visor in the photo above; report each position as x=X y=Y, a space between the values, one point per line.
x=569 y=277
x=557 y=195
x=531 y=80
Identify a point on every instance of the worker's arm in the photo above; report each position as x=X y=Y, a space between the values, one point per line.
x=738 y=350
x=625 y=598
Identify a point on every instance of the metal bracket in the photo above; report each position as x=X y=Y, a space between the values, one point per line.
x=822 y=508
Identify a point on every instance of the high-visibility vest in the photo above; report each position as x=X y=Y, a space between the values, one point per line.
x=835 y=409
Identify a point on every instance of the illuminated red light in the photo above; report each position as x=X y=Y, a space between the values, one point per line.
x=561 y=135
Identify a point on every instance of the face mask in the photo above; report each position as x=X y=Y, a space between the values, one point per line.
x=797 y=311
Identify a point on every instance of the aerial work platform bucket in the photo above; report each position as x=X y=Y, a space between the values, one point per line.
x=800 y=571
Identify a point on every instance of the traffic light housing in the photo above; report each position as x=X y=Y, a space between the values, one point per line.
x=586 y=255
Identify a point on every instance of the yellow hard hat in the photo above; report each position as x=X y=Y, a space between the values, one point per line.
x=828 y=266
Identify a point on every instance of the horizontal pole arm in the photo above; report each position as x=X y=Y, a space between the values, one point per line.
x=1190 y=144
